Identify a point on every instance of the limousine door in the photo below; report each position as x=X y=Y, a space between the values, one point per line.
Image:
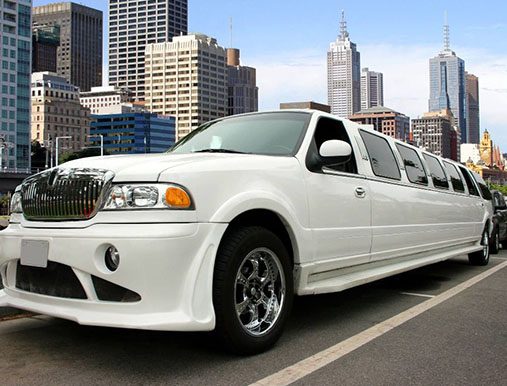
x=339 y=204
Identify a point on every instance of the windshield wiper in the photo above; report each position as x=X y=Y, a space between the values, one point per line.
x=219 y=151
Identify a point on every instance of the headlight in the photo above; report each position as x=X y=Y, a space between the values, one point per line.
x=16 y=203
x=156 y=196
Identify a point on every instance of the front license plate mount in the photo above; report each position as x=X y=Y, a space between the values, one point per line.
x=34 y=253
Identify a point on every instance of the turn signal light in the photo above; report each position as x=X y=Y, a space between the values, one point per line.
x=177 y=198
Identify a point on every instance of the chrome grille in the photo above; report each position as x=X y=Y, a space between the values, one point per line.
x=64 y=194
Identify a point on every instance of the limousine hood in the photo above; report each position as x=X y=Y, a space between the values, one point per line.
x=156 y=167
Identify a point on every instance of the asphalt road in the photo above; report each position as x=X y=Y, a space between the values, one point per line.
x=461 y=341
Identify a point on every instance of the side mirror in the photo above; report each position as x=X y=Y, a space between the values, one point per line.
x=335 y=149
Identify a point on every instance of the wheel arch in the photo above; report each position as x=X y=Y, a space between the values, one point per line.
x=272 y=221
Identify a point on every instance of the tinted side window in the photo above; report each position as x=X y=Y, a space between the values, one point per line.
x=471 y=186
x=413 y=165
x=436 y=172
x=381 y=156
x=498 y=201
x=486 y=194
x=456 y=181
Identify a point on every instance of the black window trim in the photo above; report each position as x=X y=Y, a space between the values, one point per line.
x=392 y=152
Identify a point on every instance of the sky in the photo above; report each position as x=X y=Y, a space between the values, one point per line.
x=287 y=41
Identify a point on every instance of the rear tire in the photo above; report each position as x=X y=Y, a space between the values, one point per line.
x=495 y=242
x=252 y=289
x=481 y=257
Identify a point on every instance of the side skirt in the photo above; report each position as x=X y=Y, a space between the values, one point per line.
x=309 y=280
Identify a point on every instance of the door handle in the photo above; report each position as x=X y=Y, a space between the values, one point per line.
x=360 y=192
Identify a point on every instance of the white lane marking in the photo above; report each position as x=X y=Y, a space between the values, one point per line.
x=315 y=362
x=420 y=295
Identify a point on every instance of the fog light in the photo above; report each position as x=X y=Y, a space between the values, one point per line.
x=112 y=258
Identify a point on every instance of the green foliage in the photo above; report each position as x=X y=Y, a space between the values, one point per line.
x=501 y=188
x=88 y=152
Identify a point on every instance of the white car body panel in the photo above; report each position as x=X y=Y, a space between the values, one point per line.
x=339 y=239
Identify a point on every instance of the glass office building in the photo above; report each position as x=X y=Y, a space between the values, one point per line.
x=16 y=48
x=448 y=85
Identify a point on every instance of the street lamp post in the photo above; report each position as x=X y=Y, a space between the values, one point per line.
x=3 y=145
x=101 y=142
x=57 y=138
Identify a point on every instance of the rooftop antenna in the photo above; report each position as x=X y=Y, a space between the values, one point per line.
x=343 y=27
x=447 y=40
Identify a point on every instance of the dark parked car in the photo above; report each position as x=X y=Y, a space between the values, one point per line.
x=499 y=234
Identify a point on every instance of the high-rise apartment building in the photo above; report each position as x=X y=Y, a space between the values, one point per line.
x=243 y=93
x=45 y=43
x=100 y=98
x=372 y=89
x=472 y=105
x=384 y=120
x=343 y=74
x=447 y=85
x=16 y=48
x=56 y=112
x=132 y=25
x=434 y=133
x=80 y=51
x=187 y=78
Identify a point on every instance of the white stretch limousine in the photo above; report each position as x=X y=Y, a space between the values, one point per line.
x=221 y=232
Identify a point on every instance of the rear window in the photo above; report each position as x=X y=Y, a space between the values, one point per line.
x=436 y=172
x=413 y=165
x=456 y=181
x=381 y=156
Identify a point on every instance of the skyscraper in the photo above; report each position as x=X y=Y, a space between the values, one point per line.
x=16 y=48
x=45 y=42
x=187 y=78
x=473 y=125
x=372 y=89
x=80 y=51
x=242 y=85
x=447 y=85
x=132 y=25
x=343 y=74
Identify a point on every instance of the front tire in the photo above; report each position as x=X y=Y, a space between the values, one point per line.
x=481 y=257
x=252 y=289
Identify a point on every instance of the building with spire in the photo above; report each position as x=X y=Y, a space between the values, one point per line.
x=343 y=74
x=472 y=105
x=448 y=86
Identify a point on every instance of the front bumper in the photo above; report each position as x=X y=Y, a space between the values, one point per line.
x=170 y=266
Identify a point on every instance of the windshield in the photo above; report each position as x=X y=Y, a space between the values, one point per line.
x=278 y=133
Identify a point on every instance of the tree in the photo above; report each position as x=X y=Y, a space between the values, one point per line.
x=87 y=152
x=38 y=155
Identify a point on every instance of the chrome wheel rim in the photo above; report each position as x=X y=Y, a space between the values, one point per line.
x=485 y=245
x=259 y=291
